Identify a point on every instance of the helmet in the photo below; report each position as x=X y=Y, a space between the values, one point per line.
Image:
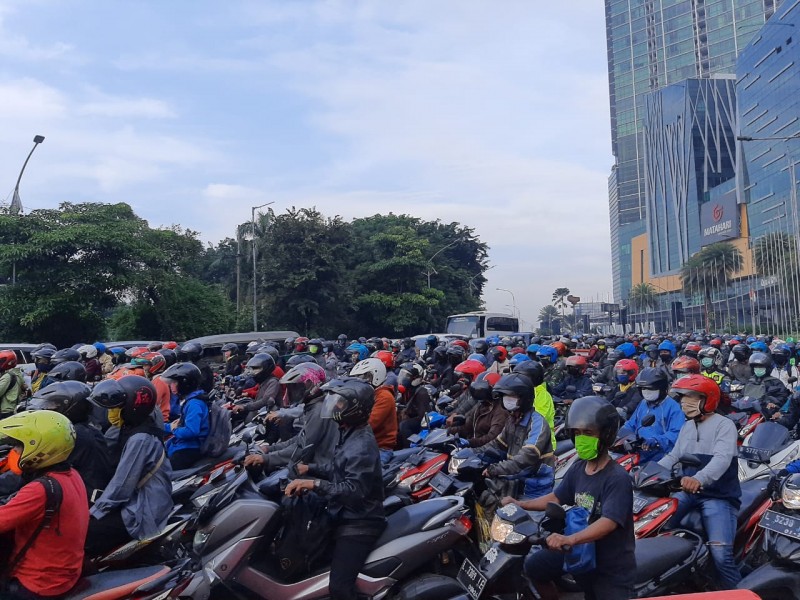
x=157 y=363
x=479 y=357
x=481 y=388
x=65 y=355
x=716 y=342
x=533 y=370
x=186 y=376
x=560 y=347
x=410 y=375
x=70 y=398
x=709 y=356
x=230 y=348
x=594 y=412
x=653 y=379
x=516 y=384
x=41 y=356
x=667 y=346
x=359 y=349
x=628 y=349
x=297 y=359
x=87 y=352
x=135 y=395
x=267 y=349
x=781 y=354
x=473 y=368
x=169 y=356
x=136 y=351
x=261 y=366
x=408 y=343
x=576 y=364
x=342 y=338
x=741 y=352
x=288 y=344
x=759 y=347
x=480 y=346
x=760 y=359
x=8 y=360
x=692 y=349
x=190 y=352
x=518 y=358
x=701 y=385
x=68 y=371
x=396 y=346
x=170 y=346
x=627 y=366
x=348 y=401
x=455 y=354
x=303 y=382
x=301 y=344
x=386 y=357
x=47 y=437
x=371 y=370
x=462 y=344
x=100 y=347
x=432 y=341
x=547 y=355
x=686 y=365
x=155 y=346
x=500 y=353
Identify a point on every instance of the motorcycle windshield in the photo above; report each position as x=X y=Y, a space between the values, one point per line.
x=770 y=436
x=752 y=393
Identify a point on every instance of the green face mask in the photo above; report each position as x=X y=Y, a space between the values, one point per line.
x=586 y=446
x=759 y=371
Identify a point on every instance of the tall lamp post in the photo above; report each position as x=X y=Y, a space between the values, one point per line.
x=513 y=300
x=16 y=202
x=431 y=270
x=255 y=292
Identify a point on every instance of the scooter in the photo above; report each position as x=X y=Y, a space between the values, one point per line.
x=157 y=582
x=769 y=448
x=627 y=447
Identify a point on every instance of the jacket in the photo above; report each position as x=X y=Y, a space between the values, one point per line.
x=383 y=418
x=94 y=369
x=163 y=397
x=353 y=482
x=106 y=364
x=543 y=404
x=144 y=509
x=582 y=385
x=554 y=375
x=194 y=424
x=267 y=395
x=769 y=390
x=408 y=354
x=484 y=422
x=54 y=562
x=523 y=452
x=12 y=382
x=90 y=458
x=741 y=372
x=625 y=396
x=322 y=433
x=665 y=430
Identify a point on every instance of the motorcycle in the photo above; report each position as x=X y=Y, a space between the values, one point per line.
x=746 y=416
x=627 y=447
x=770 y=448
x=414 y=475
x=156 y=582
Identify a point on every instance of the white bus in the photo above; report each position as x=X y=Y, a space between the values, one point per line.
x=481 y=324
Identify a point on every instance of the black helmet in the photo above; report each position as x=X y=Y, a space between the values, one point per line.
x=230 y=347
x=155 y=346
x=288 y=344
x=614 y=356
x=760 y=359
x=653 y=379
x=532 y=369
x=480 y=346
x=516 y=384
x=169 y=356
x=108 y=394
x=342 y=338
x=269 y=349
x=408 y=343
x=455 y=354
x=65 y=355
x=186 y=376
x=70 y=398
x=481 y=389
x=190 y=352
x=440 y=354
x=42 y=358
x=432 y=341
x=140 y=399
x=594 y=412
x=298 y=359
x=261 y=365
x=68 y=371
x=348 y=401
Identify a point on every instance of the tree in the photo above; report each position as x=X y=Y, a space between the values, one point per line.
x=547 y=315
x=709 y=270
x=560 y=299
x=776 y=256
x=643 y=298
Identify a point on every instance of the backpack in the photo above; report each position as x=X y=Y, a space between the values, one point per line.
x=219 y=431
x=304 y=538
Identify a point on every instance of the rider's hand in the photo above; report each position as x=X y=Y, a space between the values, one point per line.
x=650 y=444
x=273 y=416
x=508 y=500
x=690 y=485
x=776 y=416
x=771 y=406
x=174 y=425
x=298 y=486
x=237 y=408
x=449 y=420
x=253 y=460
x=486 y=472
x=301 y=469
x=555 y=541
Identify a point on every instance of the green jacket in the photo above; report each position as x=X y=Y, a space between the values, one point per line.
x=543 y=404
x=12 y=383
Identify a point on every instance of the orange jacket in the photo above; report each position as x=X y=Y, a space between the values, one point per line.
x=163 y=394
x=383 y=418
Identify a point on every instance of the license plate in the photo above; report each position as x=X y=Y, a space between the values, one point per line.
x=441 y=482
x=780 y=523
x=472 y=579
x=755 y=454
x=639 y=503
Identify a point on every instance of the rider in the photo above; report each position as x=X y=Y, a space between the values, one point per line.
x=383 y=416
x=576 y=384
x=431 y=343
x=784 y=370
x=193 y=352
x=352 y=483
x=739 y=367
x=768 y=390
x=48 y=557
x=190 y=430
x=499 y=360
x=409 y=351
x=486 y=419
x=12 y=383
x=659 y=438
x=231 y=354
x=542 y=400
x=262 y=369
x=524 y=447
x=625 y=396
x=94 y=370
x=41 y=359
x=137 y=501
x=553 y=372
x=603 y=488
x=104 y=358
x=467 y=372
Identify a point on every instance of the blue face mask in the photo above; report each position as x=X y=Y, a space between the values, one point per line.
x=622 y=378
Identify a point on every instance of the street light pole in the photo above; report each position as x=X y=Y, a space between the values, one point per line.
x=432 y=270
x=513 y=300
x=255 y=290
x=16 y=202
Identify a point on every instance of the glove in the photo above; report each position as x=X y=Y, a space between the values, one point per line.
x=455 y=389
x=651 y=443
x=622 y=413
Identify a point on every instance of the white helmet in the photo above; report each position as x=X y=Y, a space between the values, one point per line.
x=88 y=351
x=371 y=370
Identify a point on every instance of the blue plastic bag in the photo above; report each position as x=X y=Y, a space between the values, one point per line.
x=581 y=558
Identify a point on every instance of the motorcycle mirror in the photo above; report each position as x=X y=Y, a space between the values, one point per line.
x=247 y=438
x=648 y=420
x=792 y=379
x=690 y=460
x=555 y=511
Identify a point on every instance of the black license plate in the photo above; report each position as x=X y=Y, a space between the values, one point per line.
x=781 y=523
x=755 y=454
x=441 y=483
x=472 y=579
x=640 y=502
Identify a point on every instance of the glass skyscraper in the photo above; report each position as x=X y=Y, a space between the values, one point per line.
x=653 y=44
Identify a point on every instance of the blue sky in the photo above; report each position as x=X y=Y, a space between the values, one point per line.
x=493 y=114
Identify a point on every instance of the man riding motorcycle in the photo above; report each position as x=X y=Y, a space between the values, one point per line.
x=484 y=421
x=576 y=384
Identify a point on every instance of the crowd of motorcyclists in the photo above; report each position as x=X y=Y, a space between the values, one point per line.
x=96 y=433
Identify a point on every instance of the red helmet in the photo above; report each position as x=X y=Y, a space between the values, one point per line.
x=470 y=367
x=500 y=353
x=733 y=343
x=386 y=357
x=8 y=360
x=685 y=364
x=137 y=351
x=692 y=347
x=460 y=343
x=701 y=385
x=301 y=344
x=716 y=342
x=492 y=378
x=577 y=361
x=158 y=363
x=517 y=350
x=169 y=346
x=626 y=365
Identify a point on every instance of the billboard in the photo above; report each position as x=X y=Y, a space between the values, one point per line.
x=719 y=219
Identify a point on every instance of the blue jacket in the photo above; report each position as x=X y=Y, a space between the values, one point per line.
x=665 y=430
x=582 y=385
x=194 y=424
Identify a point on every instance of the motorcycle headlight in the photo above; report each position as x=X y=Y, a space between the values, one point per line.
x=455 y=463
x=201 y=538
x=791 y=498
x=503 y=532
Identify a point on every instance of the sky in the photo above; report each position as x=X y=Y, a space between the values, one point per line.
x=491 y=114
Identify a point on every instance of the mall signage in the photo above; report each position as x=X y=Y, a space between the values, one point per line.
x=719 y=220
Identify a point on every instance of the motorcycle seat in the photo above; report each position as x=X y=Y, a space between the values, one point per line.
x=655 y=556
x=115 y=584
x=564 y=446
x=410 y=519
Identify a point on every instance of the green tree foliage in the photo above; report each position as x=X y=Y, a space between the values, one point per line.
x=642 y=299
x=709 y=270
x=547 y=315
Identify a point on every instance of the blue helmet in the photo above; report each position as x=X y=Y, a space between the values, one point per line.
x=493 y=340
x=750 y=339
x=361 y=349
x=518 y=358
x=117 y=350
x=759 y=347
x=481 y=358
x=548 y=352
x=627 y=349
x=101 y=347
x=533 y=349
x=668 y=345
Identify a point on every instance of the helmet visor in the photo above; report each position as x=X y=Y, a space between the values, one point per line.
x=332 y=406
x=295 y=392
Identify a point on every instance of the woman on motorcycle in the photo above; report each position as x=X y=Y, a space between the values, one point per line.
x=486 y=419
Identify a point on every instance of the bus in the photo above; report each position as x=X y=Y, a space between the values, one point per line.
x=481 y=324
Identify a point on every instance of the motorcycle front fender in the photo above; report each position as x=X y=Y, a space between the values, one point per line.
x=772 y=581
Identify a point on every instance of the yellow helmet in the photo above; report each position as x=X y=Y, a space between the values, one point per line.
x=47 y=437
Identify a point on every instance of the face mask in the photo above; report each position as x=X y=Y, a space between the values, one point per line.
x=759 y=371
x=679 y=375
x=691 y=407
x=115 y=416
x=313 y=349
x=779 y=360
x=624 y=378
x=586 y=446
x=665 y=356
x=510 y=403
x=574 y=372
x=707 y=362
x=650 y=395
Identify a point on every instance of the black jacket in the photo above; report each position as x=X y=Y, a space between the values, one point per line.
x=627 y=400
x=322 y=433
x=90 y=458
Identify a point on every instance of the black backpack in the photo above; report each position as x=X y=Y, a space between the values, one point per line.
x=304 y=538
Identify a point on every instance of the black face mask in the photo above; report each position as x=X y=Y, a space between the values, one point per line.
x=779 y=360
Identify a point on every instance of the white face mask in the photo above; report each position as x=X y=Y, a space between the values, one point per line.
x=650 y=395
x=510 y=403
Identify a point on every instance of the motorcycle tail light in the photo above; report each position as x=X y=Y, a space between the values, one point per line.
x=650 y=522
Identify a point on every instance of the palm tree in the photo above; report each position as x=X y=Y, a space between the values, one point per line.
x=643 y=298
x=560 y=299
x=709 y=270
x=547 y=314
x=776 y=256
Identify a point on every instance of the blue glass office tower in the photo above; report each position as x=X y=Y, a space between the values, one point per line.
x=652 y=44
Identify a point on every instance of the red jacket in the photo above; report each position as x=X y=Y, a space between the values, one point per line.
x=383 y=418
x=52 y=566
x=162 y=396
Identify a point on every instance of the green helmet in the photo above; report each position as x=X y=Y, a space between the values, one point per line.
x=47 y=437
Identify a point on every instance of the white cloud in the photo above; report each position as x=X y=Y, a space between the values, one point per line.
x=118 y=108
x=30 y=100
